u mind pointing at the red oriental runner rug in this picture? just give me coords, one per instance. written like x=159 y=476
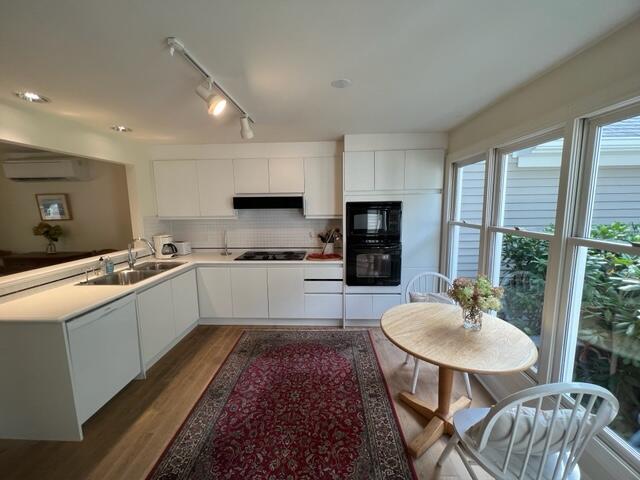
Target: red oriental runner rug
x=304 y=404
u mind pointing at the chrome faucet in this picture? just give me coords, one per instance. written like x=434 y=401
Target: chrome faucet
x=132 y=256
x=226 y=251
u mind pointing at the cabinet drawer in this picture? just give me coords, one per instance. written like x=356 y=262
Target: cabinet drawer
x=359 y=306
x=322 y=286
x=323 y=305
x=382 y=303
x=323 y=273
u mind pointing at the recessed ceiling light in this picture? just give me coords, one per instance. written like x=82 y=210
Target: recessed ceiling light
x=120 y=128
x=341 y=83
x=29 y=96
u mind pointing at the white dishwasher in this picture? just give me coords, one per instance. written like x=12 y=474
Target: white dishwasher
x=105 y=354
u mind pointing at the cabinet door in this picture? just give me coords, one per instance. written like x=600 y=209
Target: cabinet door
x=286 y=292
x=251 y=175
x=214 y=292
x=176 y=188
x=382 y=303
x=249 y=292
x=421 y=214
x=389 y=170
x=105 y=354
x=323 y=187
x=359 y=306
x=155 y=315
x=358 y=171
x=185 y=301
x=286 y=175
x=215 y=188
x=424 y=169
x=323 y=305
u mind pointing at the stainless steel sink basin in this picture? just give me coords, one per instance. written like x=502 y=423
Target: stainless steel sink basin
x=124 y=277
x=157 y=266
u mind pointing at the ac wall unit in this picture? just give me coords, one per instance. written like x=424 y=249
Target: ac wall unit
x=40 y=169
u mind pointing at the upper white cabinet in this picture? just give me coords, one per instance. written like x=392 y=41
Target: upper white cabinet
x=176 y=188
x=286 y=175
x=286 y=292
x=393 y=170
x=423 y=169
x=323 y=187
x=215 y=188
x=249 y=292
x=389 y=170
x=359 y=171
x=214 y=292
x=251 y=175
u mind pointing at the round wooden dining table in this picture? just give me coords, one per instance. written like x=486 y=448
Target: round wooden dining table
x=433 y=332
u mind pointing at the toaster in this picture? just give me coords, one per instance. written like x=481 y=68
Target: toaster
x=184 y=248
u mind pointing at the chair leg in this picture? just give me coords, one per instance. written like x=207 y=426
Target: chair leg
x=414 y=380
x=406 y=359
x=448 y=449
x=467 y=385
x=466 y=463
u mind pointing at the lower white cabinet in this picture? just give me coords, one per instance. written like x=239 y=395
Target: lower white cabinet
x=286 y=292
x=249 y=292
x=322 y=305
x=155 y=315
x=184 y=293
x=214 y=292
x=105 y=354
x=370 y=307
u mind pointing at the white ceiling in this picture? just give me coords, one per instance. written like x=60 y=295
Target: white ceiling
x=416 y=65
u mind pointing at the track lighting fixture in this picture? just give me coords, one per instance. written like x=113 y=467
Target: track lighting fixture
x=215 y=102
x=211 y=91
x=246 y=132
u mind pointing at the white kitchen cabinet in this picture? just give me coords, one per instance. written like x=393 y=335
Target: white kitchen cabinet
x=424 y=169
x=389 y=170
x=176 y=184
x=382 y=303
x=184 y=293
x=214 y=292
x=155 y=316
x=358 y=306
x=421 y=229
x=249 y=292
x=251 y=175
x=323 y=305
x=286 y=292
x=323 y=187
x=105 y=354
x=359 y=171
x=215 y=188
x=286 y=175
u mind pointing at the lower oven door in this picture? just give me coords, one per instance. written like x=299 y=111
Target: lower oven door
x=379 y=265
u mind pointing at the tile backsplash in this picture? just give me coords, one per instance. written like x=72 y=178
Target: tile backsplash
x=281 y=228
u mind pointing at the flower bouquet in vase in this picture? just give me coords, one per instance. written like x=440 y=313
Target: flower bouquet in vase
x=475 y=296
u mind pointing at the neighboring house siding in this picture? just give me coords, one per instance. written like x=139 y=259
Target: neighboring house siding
x=531 y=198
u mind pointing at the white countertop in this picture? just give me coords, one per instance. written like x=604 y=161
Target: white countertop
x=59 y=304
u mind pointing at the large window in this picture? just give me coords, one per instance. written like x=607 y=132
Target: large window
x=605 y=309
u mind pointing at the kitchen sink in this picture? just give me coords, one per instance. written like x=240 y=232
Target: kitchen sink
x=157 y=266
x=124 y=277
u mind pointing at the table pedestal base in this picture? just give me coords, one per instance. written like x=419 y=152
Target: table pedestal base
x=440 y=418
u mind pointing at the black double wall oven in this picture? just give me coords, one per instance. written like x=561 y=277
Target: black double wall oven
x=374 y=248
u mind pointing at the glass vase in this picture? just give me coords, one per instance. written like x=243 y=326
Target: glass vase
x=51 y=247
x=472 y=318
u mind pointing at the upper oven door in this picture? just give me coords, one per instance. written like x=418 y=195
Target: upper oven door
x=374 y=219
x=374 y=265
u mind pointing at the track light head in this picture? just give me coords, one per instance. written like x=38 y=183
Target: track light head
x=215 y=103
x=246 y=132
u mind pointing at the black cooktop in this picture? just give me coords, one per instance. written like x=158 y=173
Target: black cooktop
x=271 y=255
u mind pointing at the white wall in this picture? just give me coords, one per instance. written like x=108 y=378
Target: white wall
x=605 y=74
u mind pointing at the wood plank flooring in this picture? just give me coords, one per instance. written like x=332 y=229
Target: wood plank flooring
x=126 y=437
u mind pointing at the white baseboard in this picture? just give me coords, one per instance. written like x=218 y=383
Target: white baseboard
x=292 y=322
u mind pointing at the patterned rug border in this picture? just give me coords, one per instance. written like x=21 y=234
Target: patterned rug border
x=244 y=332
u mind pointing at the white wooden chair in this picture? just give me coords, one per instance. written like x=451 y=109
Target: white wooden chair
x=544 y=441
x=430 y=287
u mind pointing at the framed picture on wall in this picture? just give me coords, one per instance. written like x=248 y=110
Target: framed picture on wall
x=53 y=206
